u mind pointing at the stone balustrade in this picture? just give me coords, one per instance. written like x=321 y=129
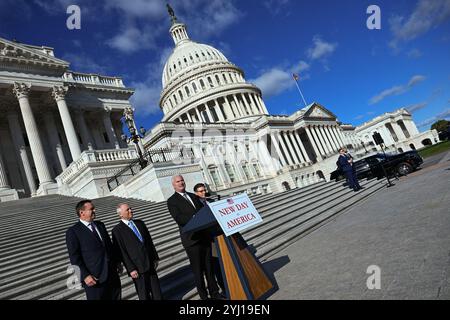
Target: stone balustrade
x=96 y=156
x=89 y=78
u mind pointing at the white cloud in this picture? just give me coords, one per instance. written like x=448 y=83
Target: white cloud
x=427 y=14
x=147 y=94
x=149 y=9
x=444 y=115
x=276 y=6
x=415 y=53
x=147 y=21
x=397 y=90
x=320 y=49
x=81 y=63
x=132 y=39
x=278 y=80
x=416 y=107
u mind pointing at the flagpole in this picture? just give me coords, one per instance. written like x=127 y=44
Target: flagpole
x=298 y=87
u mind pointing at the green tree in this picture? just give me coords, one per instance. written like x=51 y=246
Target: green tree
x=440 y=125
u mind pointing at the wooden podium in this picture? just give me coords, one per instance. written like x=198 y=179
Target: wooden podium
x=243 y=274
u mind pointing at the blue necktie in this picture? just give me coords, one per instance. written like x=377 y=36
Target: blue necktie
x=135 y=230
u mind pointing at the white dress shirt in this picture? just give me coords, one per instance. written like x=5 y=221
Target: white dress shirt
x=88 y=225
x=185 y=195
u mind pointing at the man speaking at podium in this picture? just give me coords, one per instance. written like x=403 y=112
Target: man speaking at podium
x=183 y=206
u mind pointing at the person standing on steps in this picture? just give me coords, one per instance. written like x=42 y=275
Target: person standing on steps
x=345 y=162
x=183 y=206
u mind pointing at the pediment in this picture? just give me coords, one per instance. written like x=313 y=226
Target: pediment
x=318 y=111
x=13 y=51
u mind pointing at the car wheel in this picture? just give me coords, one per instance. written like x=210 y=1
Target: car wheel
x=404 y=169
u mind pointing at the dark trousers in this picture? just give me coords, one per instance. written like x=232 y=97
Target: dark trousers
x=109 y=290
x=148 y=287
x=218 y=273
x=352 y=180
x=201 y=263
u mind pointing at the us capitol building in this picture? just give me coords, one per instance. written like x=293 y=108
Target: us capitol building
x=61 y=131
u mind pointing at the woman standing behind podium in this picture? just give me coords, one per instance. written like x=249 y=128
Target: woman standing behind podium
x=183 y=206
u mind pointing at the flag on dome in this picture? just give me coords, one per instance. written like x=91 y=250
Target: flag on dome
x=296 y=77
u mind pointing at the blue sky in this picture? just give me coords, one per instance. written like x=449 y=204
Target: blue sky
x=355 y=72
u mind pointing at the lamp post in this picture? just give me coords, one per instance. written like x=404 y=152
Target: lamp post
x=135 y=136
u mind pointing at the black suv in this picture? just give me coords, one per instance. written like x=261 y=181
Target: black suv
x=394 y=164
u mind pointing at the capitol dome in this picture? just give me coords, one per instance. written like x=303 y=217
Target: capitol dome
x=201 y=85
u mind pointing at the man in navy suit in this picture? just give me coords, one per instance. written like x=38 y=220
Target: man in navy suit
x=183 y=206
x=132 y=239
x=345 y=162
x=91 y=250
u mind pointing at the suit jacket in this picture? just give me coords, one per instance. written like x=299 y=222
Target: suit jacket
x=136 y=255
x=182 y=211
x=343 y=163
x=88 y=253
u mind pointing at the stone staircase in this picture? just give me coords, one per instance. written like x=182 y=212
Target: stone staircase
x=34 y=260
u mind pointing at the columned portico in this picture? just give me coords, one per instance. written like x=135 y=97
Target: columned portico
x=22 y=90
x=84 y=131
x=302 y=147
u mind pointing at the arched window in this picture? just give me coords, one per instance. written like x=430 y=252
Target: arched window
x=180 y=94
x=211 y=84
x=202 y=84
x=230 y=171
x=194 y=86
x=175 y=98
x=225 y=78
x=217 y=79
x=188 y=93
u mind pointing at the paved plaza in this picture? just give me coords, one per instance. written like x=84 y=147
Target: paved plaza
x=404 y=230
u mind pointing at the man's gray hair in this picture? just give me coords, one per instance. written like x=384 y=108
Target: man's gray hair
x=118 y=207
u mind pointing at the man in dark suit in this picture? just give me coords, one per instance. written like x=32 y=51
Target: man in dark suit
x=201 y=193
x=90 y=249
x=345 y=162
x=138 y=253
x=183 y=206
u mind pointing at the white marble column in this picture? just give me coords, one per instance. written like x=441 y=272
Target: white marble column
x=209 y=113
x=296 y=146
x=285 y=150
x=238 y=106
x=228 y=109
x=341 y=136
x=22 y=91
x=325 y=142
x=255 y=103
x=263 y=105
x=4 y=185
x=313 y=143
x=318 y=142
x=398 y=131
x=199 y=117
x=188 y=116
x=333 y=138
x=277 y=148
x=84 y=130
x=109 y=128
x=218 y=111
x=247 y=106
x=291 y=148
x=302 y=147
x=53 y=136
x=19 y=145
x=336 y=132
x=59 y=94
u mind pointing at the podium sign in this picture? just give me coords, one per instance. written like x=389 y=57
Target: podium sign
x=235 y=214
